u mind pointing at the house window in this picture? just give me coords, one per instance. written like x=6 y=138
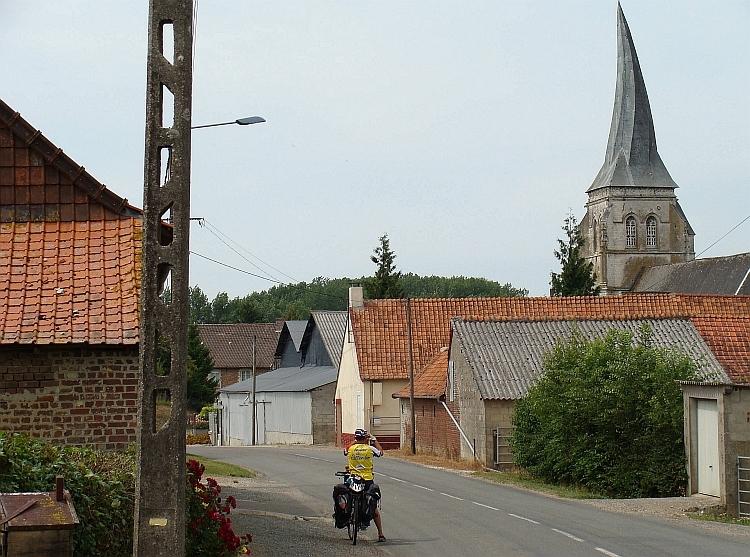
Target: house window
x=651 y=232
x=630 y=232
x=450 y=380
x=246 y=374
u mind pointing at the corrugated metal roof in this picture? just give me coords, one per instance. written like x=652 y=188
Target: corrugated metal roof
x=287 y=379
x=332 y=328
x=296 y=332
x=714 y=275
x=506 y=358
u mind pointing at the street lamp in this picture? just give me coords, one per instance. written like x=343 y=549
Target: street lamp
x=240 y=121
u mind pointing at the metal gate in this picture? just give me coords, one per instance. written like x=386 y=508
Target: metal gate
x=743 y=486
x=503 y=458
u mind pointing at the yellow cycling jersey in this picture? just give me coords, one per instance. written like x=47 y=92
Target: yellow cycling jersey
x=360 y=457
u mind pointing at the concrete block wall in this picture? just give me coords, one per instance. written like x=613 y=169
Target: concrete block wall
x=71 y=395
x=498 y=414
x=472 y=412
x=324 y=414
x=736 y=440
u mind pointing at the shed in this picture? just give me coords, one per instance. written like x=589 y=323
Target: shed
x=293 y=405
x=493 y=364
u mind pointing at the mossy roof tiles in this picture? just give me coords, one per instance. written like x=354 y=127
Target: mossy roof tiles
x=380 y=331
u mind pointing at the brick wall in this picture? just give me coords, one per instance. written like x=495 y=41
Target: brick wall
x=436 y=432
x=72 y=395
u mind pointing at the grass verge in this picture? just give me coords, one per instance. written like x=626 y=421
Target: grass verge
x=216 y=468
x=716 y=516
x=524 y=480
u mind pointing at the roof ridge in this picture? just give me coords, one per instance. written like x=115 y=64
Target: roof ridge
x=33 y=138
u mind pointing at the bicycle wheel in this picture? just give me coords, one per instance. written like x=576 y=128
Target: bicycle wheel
x=355 y=519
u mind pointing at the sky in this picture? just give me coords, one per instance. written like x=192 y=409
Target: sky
x=464 y=130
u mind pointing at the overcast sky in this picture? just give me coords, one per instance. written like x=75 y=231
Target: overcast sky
x=464 y=130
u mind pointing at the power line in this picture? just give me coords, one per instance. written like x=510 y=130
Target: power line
x=298 y=285
x=724 y=236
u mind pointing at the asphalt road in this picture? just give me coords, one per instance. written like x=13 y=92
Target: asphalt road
x=429 y=512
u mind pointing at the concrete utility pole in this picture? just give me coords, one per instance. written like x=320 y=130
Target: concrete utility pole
x=411 y=379
x=255 y=408
x=160 y=473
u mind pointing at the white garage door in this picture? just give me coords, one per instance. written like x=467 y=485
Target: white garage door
x=708 y=447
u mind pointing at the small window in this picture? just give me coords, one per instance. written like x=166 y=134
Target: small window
x=651 y=232
x=630 y=232
x=450 y=380
x=246 y=374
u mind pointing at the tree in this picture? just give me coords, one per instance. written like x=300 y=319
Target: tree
x=606 y=415
x=387 y=281
x=201 y=389
x=245 y=310
x=200 y=308
x=577 y=277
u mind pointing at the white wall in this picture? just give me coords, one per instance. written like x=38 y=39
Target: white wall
x=281 y=418
x=349 y=385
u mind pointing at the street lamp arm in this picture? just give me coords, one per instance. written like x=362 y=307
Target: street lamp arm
x=240 y=121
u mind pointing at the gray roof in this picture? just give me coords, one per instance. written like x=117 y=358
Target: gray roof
x=332 y=328
x=231 y=345
x=506 y=358
x=631 y=158
x=287 y=379
x=296 y=331
x=728 y=275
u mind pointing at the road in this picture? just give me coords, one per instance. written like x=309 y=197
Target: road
x=429 y=512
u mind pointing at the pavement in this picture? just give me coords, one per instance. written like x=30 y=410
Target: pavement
x=285 y=522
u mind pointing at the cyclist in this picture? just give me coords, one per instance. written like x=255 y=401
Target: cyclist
x=360 y=455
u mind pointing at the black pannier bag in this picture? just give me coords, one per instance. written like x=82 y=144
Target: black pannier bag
x=340 y=505
x=371 y=500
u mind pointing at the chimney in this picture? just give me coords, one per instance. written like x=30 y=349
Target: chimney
x=356 y=297
x=280 y=324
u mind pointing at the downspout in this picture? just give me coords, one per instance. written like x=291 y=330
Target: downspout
x=461 y=431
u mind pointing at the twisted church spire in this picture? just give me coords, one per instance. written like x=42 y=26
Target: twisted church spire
x=631 y=158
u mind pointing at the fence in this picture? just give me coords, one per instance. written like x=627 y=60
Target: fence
x=743 y=486
x=503 y=458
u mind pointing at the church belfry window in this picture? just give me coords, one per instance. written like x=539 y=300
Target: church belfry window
x=651 y=232
x=630 y=232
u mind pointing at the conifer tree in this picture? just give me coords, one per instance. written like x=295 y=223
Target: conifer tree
x=387 y=281
x=577 y=277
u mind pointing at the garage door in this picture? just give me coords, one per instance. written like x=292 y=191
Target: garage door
x=708 y=447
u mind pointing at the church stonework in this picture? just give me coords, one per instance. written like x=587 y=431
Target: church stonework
x=633 y=219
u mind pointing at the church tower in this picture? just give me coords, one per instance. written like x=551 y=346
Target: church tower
x=633 y=219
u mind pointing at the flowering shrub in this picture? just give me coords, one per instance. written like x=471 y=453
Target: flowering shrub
x=200 y=439
x=209 y=529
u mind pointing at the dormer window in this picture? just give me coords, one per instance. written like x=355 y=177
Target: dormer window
x=630 y=232
x=651 y=232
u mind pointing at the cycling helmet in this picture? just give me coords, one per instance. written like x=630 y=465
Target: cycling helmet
x=361 y=434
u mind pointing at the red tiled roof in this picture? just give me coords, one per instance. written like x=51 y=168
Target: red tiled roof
x=70 y=282
x=70 y=248
x=381 y=337
x=430 y=383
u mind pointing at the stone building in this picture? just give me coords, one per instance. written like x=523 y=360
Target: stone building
x=633 y=219
x=70 y=256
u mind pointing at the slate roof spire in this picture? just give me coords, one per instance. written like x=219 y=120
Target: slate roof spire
x=631 y=158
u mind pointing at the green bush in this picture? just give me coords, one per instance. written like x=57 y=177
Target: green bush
x=607 y=415
x=101 y=485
